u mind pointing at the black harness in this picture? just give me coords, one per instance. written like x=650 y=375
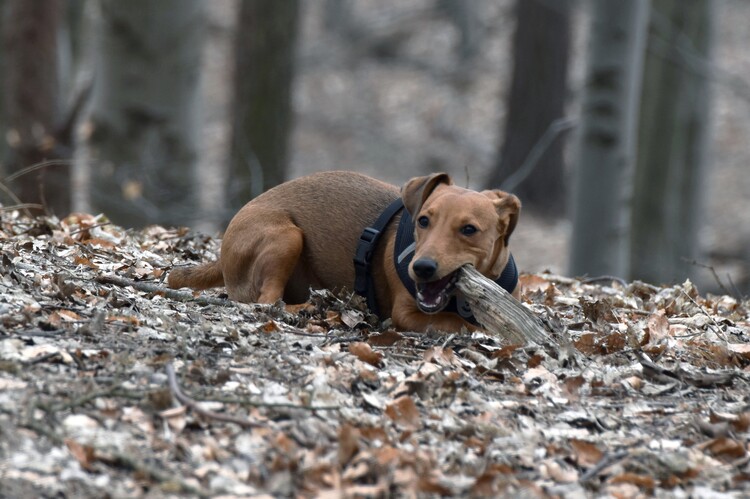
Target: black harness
x=402 y=256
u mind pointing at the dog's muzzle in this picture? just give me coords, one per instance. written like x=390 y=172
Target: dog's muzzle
x=433 y=296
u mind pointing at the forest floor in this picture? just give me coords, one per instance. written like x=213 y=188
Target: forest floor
x=111 y=385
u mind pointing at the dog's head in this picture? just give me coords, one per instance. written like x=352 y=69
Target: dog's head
x=454 y=227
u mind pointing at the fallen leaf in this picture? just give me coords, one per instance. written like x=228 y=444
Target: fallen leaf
x=403 y=411
x=84 y=454
x=348 y=443
x=586 y=453
x=270 y=327
x=365 y=353
x=385 y=339
x=727 y=449
x=640 y=481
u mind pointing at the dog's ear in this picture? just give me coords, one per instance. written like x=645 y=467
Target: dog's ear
x=417 y=190
x=508 y=208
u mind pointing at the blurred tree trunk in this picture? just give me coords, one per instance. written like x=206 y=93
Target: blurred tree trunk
x=602 y=186
x=142 y=144
x=536 y=101
x=674 y=129
x=262 y=120
x=3 y=115
x=464 y=17
x=32 y=104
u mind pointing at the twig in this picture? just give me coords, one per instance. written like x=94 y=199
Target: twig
x=177 y=393
x=529 y=163
x=38 y=166
x=43 y=358
x=172 y=294
x=448 y=340
x=130 y=463
x=605 y=462
x=22 y=206
x=705 y=312
x=112 y=391
x=713 y=272
x=8 y=192
x=274 y=405
x=594 y=280
x=88 y=227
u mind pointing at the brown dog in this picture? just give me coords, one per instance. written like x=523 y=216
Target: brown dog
x=303 y=234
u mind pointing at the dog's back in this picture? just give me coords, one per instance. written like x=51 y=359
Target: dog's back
x=329 y=210
x=332 y=209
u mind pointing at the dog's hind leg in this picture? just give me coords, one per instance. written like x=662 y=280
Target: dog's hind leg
x=258 y=267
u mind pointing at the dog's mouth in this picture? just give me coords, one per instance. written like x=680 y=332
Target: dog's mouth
x=433 y=296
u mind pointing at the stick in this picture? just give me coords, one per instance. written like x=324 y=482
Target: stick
x=497 y=311
x=186 y=296
x=174 y=387
x=172 y=294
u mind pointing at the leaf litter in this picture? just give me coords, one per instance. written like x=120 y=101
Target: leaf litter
x=113 y=385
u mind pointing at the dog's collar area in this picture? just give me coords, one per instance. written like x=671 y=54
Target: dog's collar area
x=368 y=241
x=402 y=255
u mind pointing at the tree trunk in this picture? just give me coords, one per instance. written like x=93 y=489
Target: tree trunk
x=674 y=131
x=142 y=148
x=536 y=101
x=262 y=120
x=32 y=105
x=3 y=113
x=607 y=138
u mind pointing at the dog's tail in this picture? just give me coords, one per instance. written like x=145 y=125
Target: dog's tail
x=203 y=276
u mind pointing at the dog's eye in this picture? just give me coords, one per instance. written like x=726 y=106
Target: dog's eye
x=468 y=230
x=423 y=222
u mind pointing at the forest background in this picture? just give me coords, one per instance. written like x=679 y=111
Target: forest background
x=627 y=123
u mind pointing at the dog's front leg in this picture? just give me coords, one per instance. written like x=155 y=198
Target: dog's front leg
x=407 y=317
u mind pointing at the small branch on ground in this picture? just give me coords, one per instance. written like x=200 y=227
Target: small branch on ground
x=497 y=311
x=172 y=294
x=177 y=393
x=718 y=280
x=186 y=296
x=605 y=462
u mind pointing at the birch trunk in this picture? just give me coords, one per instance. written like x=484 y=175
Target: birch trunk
x=602 y=184
x=536 y=101
x=142 y=147
x=674 y=132
x=262 y=120
x=32 y=105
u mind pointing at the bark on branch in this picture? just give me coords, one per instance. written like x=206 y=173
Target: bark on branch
x=497 y=311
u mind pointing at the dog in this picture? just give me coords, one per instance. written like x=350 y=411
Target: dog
x=304 y=234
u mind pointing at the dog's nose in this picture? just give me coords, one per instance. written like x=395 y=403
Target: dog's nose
x=425 y=268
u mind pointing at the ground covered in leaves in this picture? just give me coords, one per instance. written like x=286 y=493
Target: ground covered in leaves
x=111 y=385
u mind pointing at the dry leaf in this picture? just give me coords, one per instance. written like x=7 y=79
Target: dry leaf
x=586 y=453
x=348 y=443
x=641 y=481
x=365 y=353
x=385 y=339
x=84 y=454
x=403 y=411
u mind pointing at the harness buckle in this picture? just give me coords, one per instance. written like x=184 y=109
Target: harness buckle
x=363 y=258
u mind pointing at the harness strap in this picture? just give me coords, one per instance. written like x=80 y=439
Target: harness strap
x=368 y=241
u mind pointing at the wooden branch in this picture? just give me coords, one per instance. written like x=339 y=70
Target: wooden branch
x=497 y=311
x=172 y=294
x=275 y=310
x=178 y=394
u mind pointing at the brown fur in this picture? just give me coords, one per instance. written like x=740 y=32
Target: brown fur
x=302 y=234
